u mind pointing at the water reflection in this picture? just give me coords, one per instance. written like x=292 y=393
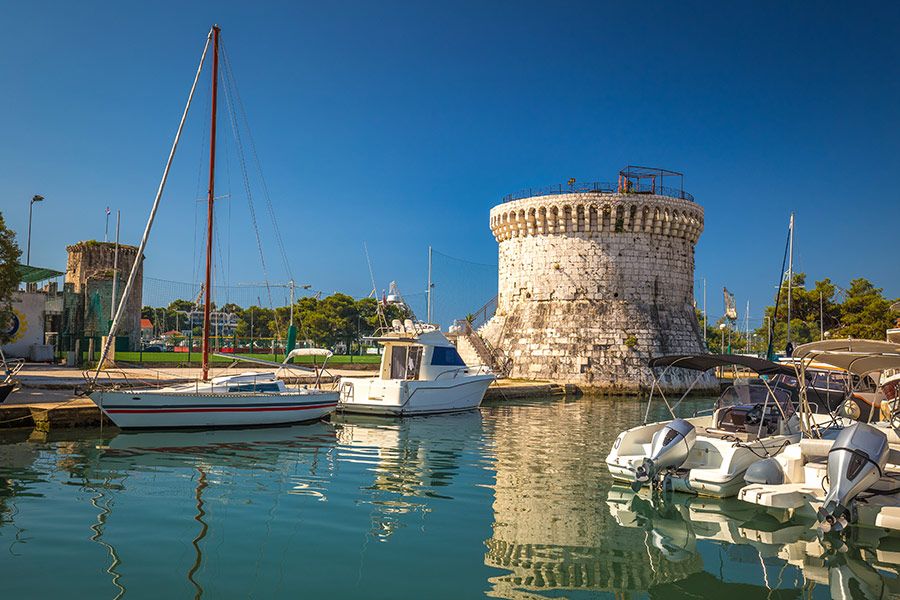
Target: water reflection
x=562 y=529
x=513 y=501
x=552 y=530
x=413 y=461
x=281 y=455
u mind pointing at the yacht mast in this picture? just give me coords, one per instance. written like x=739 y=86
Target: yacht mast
x=428 y=314
x=790 y=279
x=209 y=204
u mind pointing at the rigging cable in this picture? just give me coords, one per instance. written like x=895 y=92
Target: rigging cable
x=262 y=181
x=229 y=81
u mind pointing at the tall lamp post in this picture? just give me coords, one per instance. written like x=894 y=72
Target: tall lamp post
x=36 y=198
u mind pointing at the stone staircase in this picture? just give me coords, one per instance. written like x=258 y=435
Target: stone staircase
x=475 y=350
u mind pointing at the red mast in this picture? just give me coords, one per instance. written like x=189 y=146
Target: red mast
x=209 y=204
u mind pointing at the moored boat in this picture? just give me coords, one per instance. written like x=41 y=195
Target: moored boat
x=708 y=454
x=853 y=478
x=10 y=367
x=421 y=373
x=247 y=399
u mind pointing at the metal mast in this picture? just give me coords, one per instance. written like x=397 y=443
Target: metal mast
x=143 y=244
x=430 y=288
x=790 y=278
x=209 y=204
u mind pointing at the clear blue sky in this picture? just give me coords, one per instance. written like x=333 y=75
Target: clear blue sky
x=403 y=123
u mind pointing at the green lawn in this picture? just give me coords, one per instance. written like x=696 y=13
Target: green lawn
x=182 y=357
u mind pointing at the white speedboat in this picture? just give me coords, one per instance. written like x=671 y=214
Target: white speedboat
x=421 y=373
x=708 y=455
x=853 y=478
x=239 y=400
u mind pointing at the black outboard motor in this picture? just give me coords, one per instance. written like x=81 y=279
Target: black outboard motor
x=670 y=447
x=856 y=462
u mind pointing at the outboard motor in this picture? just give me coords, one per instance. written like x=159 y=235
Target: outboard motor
x=855 y=463
x=669 y=448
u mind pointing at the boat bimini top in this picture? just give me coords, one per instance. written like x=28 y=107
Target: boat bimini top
x=704 y=362
x=858 y=357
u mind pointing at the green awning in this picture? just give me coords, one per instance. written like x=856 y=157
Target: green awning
x=31 y=274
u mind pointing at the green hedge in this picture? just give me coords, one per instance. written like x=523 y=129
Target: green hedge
x=182 y=357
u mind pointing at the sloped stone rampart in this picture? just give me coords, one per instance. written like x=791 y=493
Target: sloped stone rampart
x=591 y=285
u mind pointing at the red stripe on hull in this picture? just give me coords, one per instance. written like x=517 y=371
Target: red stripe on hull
x=208 y=410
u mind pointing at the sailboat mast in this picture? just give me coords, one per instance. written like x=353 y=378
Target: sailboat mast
x=209 y=203
x=790 y=279
x=120 y=311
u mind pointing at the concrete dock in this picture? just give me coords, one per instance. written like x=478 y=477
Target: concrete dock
x=50 y=397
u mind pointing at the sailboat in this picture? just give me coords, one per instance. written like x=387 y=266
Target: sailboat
x=241 y=400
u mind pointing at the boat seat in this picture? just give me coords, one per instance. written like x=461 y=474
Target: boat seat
x=743 y=436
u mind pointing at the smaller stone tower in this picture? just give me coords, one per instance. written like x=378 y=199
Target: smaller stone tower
x=90 y=270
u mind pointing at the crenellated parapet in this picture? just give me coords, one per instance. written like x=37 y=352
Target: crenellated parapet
x=595 y=212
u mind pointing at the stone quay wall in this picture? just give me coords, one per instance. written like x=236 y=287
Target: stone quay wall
x=592 y=285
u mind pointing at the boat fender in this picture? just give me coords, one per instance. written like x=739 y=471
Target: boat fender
x=767 y=471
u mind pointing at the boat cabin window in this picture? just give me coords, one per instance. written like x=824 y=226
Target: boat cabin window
x=254 y=387
x=444 y=356
x=406 y=362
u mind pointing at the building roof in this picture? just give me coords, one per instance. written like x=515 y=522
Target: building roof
x=146 y=323
x=30 y=274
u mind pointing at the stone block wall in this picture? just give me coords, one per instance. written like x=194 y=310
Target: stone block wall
x=591 y=285
x=89 y=269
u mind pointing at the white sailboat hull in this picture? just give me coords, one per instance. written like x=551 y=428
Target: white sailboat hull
x=158 y=409
x=401 y=398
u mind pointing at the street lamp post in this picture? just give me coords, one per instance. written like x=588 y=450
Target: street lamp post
x=722 y=337
x=36 y=198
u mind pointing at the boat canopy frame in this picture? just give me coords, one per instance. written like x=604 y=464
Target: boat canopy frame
x=703 y=363
x=856 y=356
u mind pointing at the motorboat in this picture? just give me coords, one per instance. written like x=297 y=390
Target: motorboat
x=708 y=454
x=421 y=373
x=852 y=478
x=236 y=400
x=10 y=368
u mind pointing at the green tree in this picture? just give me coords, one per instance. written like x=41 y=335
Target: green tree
x=811 y=310
x=865 y=312
x=9 y=276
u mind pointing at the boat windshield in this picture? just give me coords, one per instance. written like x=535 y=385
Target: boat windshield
x=830 y=381
x=753 y=394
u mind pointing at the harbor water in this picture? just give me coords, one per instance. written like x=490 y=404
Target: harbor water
x=509 y=501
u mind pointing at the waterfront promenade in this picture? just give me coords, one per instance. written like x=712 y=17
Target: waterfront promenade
x=51 y=396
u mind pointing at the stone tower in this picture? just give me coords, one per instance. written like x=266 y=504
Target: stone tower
x=90 y=269
x=596 y=279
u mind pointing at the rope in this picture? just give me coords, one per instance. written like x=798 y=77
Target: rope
x=229 y=80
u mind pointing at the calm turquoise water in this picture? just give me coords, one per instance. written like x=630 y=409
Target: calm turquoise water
x=512 y=501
